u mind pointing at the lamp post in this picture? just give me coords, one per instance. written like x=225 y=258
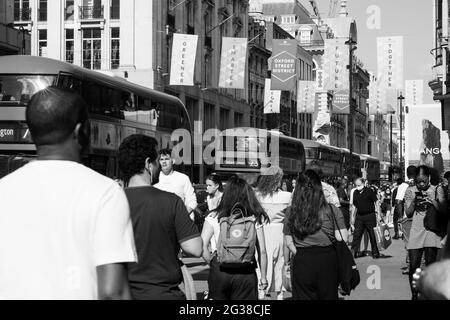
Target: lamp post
x=400 y=99
x=391 y=147
x=351 y=125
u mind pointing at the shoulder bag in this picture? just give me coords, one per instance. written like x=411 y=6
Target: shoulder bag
x=348 y=274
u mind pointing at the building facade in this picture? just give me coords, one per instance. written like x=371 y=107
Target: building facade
x=440 y=82
x=12 y=41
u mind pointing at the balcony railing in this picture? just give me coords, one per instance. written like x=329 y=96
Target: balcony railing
x=91 y=12
x=312 y=43
x=22 y=15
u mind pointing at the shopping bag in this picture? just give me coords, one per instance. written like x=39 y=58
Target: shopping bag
x=383 y=236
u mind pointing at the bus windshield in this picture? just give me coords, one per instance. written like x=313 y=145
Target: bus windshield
x=18 y=89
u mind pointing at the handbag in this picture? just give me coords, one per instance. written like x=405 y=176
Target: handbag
x=348 y=274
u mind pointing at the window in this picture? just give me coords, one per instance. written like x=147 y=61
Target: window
x=42 y=42
x=190 y=16
x=115 y=9
x=224 y=116
x=22 y=11
x=238 y=119
x=69 y=45
x=70 y=10
x=209 y=116
x=369 y=148
x=369 y=127
x=115 y=48
x=42 y=10
x=92 y=49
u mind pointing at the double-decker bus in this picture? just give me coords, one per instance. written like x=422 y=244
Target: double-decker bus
x=328 y=158
x=245 y=151
x=370 y=169
x=117 y=109
x=351 y=166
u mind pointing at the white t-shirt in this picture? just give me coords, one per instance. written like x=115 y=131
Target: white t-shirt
x=60 y=220
x=275 y=204
x=178 y=183
x=214 y=223
x=401 y=191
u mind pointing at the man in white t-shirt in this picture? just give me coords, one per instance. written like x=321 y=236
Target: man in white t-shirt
x=65 y=230
x=175 y=182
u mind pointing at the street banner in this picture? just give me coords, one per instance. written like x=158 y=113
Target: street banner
x=335 y=62
x=341 y=102
x=413 y=92
x=272 y=99
x=425 y=142
x=233 y=63
x=284 y=65
x=390 y=62
x=381 y=99
x=306 y=97
x=184 y=51
x=320 y=86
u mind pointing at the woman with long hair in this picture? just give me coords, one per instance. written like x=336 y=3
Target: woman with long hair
x=274 y=202
x=311 y=227
x=240 y=283
x=421 y=200
x=214 y=188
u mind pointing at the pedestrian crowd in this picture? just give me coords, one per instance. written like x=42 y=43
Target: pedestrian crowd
x=67 y=232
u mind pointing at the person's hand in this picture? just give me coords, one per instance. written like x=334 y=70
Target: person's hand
x=263 y=284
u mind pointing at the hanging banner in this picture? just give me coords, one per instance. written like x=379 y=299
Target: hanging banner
x=284 y=65
x=184 y=52
x=379 y=98
x=413 y=92
x=306 y=97
x=335 y=62
x=390 y=62
x=272 y=99
x=320 y=87
x=233 y=63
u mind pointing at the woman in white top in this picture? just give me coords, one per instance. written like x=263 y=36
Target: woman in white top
x=214 y=189
x=274 y=202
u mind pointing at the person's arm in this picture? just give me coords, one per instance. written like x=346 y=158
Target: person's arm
x=112 y=281
x=262 y=255
x=207 y=234
x=410 y=203
x=340 y=228
x=289 y=244
x=193 y=247
x=186 y=231
x=190 y=198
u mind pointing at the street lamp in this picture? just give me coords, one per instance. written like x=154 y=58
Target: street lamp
x=351 y=126
x=400 y=99
x=391 y=146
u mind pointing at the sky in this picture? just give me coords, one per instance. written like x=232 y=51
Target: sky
x=412 y=19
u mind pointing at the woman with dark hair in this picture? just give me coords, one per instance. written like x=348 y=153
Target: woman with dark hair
x=286 y=186
x=237 y=283
x=421 y=200
x=311 y=227
x=214 y=188
x=274 y=202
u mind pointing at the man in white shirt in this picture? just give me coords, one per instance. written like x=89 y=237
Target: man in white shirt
x=65 y=230
x=175 y=182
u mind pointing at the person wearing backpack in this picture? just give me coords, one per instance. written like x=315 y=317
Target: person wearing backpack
x=236 y=226
x=310 y=232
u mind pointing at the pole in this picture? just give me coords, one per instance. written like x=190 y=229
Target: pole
x=402 y=164
x=351 y=115
x=391 y=148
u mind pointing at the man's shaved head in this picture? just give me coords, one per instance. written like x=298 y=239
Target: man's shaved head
x=53 y=114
